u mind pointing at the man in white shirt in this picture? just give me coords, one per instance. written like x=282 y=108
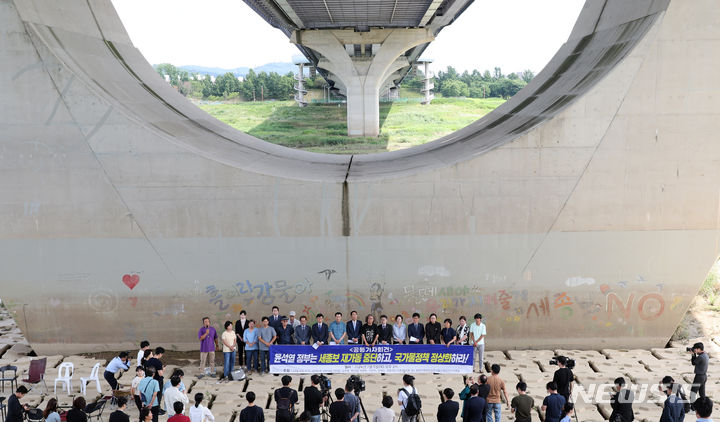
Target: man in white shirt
x=173 y=394
x=477 y=340
x=144 y=345
x=403 y=394
x=384 y=414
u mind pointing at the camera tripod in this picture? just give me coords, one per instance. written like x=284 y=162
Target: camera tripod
x=362 y=406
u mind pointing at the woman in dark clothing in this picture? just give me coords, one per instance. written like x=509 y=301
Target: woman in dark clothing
x=369 y=331
x=77 y=413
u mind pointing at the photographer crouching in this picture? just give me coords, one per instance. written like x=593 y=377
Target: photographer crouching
x=700 y=361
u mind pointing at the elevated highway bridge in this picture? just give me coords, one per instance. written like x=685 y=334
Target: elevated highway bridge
x=361 y=46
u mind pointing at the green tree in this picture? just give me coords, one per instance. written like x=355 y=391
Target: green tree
x=454 y=88
x=527 y=75
x=497 y=74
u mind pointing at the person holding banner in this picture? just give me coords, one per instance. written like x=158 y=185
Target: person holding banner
x=285 y=332
x=447 y=335
x=432 y=330
x=353 y=329
x=302 y=332
x=320 y=331
x=385 y=331
x=369 y=331
x=416 y=331
x=463 y=332
x=399 y=330
x=338 y=330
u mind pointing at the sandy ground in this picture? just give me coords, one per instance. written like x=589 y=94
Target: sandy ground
x=594 y=371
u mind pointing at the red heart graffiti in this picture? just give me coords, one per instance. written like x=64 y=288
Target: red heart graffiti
x=133 y=301
x=131 y=280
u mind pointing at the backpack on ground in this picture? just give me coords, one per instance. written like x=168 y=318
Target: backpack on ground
x=414 y=404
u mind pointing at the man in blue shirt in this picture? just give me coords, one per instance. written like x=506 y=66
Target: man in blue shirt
x=302 y=332
x=320 y=331
x=149 y=389
x=338 y=329
x=352 y=328
x=416 y=331
x=120 y=362
x=553 y=404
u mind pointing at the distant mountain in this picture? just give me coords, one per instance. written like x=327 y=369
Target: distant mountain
x=281 y=68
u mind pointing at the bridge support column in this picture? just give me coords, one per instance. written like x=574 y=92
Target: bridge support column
x=363 y=62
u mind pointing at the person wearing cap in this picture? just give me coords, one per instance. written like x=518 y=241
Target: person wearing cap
x=285 y=332
x=293 y=322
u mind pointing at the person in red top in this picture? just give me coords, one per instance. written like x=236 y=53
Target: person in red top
x=178 y=416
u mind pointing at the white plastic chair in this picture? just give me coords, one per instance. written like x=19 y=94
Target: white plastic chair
x=93 y=377
x=65 y=374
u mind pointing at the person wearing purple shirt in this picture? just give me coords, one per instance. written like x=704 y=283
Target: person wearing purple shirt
x=208 y=343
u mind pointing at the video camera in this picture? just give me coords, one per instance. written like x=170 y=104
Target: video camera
x=569 y=363
x=357 y=383
x=325 y=384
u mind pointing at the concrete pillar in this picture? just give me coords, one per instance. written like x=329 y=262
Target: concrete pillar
x=363 y=74
x=300 y=85
x=427 y=81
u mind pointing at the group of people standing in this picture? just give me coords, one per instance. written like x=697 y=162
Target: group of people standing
x=250 y=341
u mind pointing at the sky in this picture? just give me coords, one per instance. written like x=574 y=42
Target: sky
x=512 y=34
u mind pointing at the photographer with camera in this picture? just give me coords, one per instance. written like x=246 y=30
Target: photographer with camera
x=314 y=398
x=700 y=361
x=120 y=363
x=564 y=376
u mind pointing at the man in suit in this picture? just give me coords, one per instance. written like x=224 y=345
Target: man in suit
x=275 y=319
x=621 y=402
x=448 y=409
x=320 y=331
x=302 y=332
x=416 y=331
x=386 y=332
x=240 y=326
x=353 y=328
x=475 y=407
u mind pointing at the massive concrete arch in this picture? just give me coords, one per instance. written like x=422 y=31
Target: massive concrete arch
x=583 y=212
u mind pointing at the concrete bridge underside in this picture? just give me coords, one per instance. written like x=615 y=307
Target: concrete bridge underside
x=583 y=212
